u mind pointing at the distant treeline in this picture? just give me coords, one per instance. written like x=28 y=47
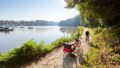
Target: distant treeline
x=27 y=23
x=69 y=22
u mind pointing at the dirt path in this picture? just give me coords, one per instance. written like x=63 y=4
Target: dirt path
x=55 y=58
x=84 y=45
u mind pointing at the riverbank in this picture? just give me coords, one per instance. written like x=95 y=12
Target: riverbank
x=28 y=52
x=16 y=38
x=56 y=58
x=31 y=51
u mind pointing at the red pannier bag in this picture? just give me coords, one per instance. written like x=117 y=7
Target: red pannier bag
x=67 y=48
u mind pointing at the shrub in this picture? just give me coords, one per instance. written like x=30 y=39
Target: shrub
x=29 y=51
x=79 y=32
x=104 y=50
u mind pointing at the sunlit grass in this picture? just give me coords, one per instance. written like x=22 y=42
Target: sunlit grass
x=104 y=51
x=29 y=51
x=79 y=32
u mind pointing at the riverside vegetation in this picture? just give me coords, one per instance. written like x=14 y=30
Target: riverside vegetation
x=103 y=20
x=102 y=17
x=29 y=52
x=104 y=51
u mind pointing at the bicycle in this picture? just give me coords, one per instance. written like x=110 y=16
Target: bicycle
x=87 y=39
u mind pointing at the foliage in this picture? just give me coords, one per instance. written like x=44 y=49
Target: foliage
x=105 y=48
x=71 y=22
x=27 y=23
x=79 y=32
x=103 y=12
x=29 y=51
x=105 y=17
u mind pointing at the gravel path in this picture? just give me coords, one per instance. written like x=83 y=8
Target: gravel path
x=56 y=58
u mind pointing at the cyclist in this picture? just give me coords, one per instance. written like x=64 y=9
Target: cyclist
x=87 y=34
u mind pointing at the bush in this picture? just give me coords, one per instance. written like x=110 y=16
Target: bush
x=104 y=48
x=29 y=51
x=79 y=32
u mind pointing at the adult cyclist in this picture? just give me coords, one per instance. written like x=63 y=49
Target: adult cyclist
x=87 y=34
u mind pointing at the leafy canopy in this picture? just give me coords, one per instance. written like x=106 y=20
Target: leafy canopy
x=106 y=12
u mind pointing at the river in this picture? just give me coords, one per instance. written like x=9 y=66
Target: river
x=21 y=34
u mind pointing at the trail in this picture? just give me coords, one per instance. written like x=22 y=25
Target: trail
x=55 y=58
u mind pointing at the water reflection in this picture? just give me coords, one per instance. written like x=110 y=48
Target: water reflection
x=6 y=32
x=15 y=38
x=68 y=30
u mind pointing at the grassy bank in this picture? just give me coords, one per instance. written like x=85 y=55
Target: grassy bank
x=29 y=51
x=105 y=48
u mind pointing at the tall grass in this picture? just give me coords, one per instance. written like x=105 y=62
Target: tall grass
x=104 y=51
x=28 y=52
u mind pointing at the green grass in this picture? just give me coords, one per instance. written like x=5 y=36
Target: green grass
x=90 y=60
x=104 y=50
x=79 y=32
x=29 y=51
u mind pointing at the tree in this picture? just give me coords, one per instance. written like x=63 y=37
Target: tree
x=105 y=12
